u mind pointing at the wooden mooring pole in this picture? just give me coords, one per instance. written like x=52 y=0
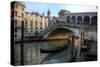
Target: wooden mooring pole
x=72 y=46
x=22 y=43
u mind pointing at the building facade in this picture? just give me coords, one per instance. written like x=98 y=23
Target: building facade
x=34 y=22
x=17 y=17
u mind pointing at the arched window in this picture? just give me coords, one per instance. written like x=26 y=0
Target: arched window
x=94 y=20
x=86 y=20
x=79 y=19
x=68 y=19
x=73 y=19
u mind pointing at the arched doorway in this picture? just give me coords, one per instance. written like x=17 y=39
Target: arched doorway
x=68 y=19
x=79 y=19
x=73 y=19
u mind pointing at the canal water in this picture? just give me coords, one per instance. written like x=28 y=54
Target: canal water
x=33 y=55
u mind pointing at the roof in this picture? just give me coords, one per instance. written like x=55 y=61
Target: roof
x=18 y=2
x=35 y=13
x=64 y=11
x=84 y=12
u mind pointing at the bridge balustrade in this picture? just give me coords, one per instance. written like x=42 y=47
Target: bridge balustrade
x=60 y=23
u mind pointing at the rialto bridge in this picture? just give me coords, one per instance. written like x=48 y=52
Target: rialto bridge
x=87 y=31
x=81 y=29
x=80 y=24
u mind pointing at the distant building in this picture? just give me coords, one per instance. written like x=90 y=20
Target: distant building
x=62 y=13
x=54 y=20
x=34 y=23
x=78 y=18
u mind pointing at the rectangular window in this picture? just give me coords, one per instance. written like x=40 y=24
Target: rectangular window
x=15 y=35
x=41 y=25
x=15 y=22
x=22 y=9
x=26 y=23
x=31 y=24
x=15 y=13
x=15 y=29
x=12 y=13
x=25 y=30
x=12 y=6
x=22 y=15
x=31 y=30
x=46 y=25
x=36 y=27
x=41 y=28
x=22 y=24
x=16 y=5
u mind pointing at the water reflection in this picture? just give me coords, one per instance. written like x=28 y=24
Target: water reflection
x=57 y=43
x=32 y=54
x=58 y=39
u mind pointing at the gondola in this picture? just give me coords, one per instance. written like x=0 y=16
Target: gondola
x=58 y=49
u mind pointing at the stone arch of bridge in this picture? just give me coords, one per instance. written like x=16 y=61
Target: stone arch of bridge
x=61 y=28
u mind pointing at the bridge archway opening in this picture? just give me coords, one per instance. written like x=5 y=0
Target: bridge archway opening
x=94 y=20
x=79 y=19
x=68 y=19
x=86 y=20
x=73 y=19
x=59 y=37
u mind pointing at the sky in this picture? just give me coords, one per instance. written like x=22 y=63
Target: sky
x=55 y=8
